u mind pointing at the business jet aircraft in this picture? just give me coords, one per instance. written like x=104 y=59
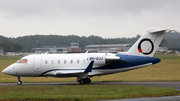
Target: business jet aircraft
x=87 y=65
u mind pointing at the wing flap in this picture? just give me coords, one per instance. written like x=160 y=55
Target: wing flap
x=76 y=72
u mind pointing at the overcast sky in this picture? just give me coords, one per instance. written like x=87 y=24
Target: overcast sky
x=105 y=18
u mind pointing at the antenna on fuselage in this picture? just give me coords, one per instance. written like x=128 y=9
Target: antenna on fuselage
x=46 y=52
x=87 y=52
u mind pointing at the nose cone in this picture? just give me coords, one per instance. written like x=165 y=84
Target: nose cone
x=6 y=71
x=9 y=71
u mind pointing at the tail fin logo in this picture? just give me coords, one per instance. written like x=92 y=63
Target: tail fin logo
x=140 y=49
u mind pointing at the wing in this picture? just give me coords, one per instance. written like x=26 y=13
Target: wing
x=80 y=72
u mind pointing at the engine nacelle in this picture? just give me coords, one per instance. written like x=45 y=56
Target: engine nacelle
x=98 y=58
x=103 y=58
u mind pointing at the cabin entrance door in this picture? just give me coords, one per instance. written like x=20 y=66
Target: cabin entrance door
x=38 y=62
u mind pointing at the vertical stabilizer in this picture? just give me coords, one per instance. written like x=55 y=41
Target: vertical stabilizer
x=148 y=43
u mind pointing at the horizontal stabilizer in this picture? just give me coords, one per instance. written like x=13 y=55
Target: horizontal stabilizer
x=156 y=31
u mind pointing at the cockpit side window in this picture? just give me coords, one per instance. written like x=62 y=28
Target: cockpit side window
x=23 y=61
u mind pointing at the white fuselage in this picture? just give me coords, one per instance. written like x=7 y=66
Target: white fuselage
x=48 y=64
x=51 y=64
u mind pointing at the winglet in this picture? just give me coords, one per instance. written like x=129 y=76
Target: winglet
x=89 y=68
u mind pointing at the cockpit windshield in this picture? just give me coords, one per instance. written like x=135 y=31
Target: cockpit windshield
x=22 y=61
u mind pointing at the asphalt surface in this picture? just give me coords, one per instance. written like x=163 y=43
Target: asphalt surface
x=165 y=98
x=173 y=84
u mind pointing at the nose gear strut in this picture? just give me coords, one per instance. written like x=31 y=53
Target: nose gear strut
x=19 y=80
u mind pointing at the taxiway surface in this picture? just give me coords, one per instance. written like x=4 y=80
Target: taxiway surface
x=173 y=84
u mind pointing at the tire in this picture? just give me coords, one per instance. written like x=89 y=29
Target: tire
x=19 y=82
x=82 y=81
x=87 y=80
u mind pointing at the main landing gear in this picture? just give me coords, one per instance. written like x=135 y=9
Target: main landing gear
x=85 y=81
x=19 y=80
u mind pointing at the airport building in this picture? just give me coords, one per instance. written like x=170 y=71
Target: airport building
x=73 y=48
x=114 y=48
x=161 y=49
x=107 y=48
x=51 y=49
x=102 y=48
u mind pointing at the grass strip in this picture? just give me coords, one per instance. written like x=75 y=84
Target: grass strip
x=81 y=92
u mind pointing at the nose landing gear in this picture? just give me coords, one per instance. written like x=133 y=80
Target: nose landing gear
x=19 y=80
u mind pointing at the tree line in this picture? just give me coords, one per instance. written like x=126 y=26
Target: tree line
x=34 y=41
x=26 y=43
x=9 y=46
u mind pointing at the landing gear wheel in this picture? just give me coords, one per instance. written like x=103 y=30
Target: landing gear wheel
x=87 y=80
x=81 y=81
x=19 y=82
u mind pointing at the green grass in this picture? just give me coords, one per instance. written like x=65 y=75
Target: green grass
x=167 y=56
x=81 y=92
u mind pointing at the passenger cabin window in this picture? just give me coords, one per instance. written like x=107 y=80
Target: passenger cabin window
x=64 y=61
x=46 y=62
x=71 y=61
x=23 y=61
x=78 y=61
x=58 y=61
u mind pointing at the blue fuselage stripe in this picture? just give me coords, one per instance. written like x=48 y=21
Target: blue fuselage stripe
x=130 y=61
